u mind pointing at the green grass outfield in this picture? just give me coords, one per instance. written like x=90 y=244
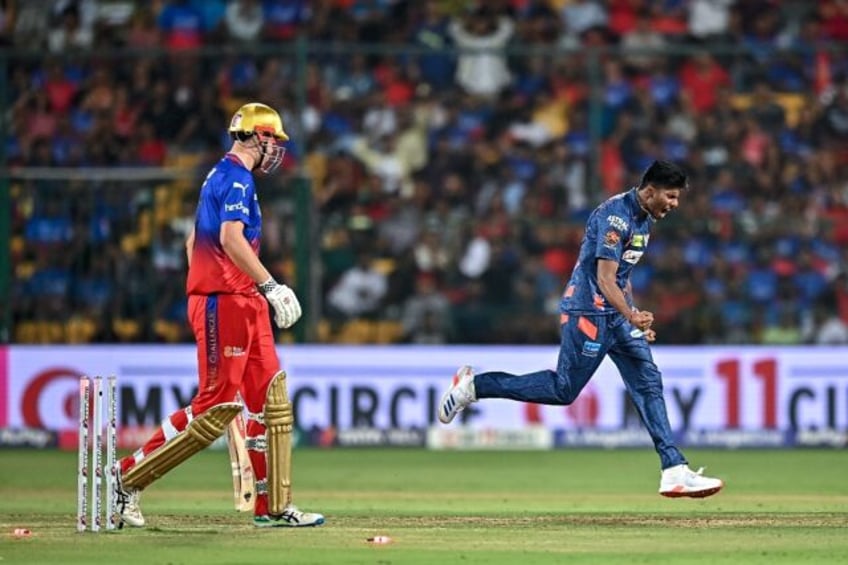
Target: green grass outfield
x=566 y=506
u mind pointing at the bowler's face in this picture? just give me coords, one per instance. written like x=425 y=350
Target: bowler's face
x=661 y=201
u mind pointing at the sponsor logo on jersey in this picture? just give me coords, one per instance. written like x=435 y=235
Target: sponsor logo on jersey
x=640 y=240
x=242 y=187
x=233 y=351
x=591 y=348
x=632 y=256
x=237 y=207
x=617 y=222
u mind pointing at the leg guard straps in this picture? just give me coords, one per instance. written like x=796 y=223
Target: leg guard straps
x=200 y=432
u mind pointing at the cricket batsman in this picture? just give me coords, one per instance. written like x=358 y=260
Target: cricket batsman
x=229 y=292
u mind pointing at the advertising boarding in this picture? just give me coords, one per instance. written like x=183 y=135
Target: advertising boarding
x=759 y=391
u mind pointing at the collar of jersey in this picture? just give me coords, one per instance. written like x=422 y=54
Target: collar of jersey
x=233 y=158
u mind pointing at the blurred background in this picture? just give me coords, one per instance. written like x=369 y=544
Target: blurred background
x=444 y=157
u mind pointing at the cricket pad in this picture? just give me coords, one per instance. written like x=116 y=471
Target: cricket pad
x=279 y=420
x=198 y=435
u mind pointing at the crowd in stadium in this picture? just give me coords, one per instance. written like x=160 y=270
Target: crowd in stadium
x=453 y=148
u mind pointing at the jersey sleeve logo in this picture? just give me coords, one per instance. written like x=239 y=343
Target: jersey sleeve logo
x=611 y=239
x=640 y=240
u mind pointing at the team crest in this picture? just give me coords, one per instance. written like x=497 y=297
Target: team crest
x=236 y=121
x=611 y=238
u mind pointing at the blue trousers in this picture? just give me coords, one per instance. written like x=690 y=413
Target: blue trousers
x=585 y=341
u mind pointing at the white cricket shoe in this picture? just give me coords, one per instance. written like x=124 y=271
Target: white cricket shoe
x=291 y=517
x=131 y=509
x=127 y=501
x=460 y=394
x=680 y=481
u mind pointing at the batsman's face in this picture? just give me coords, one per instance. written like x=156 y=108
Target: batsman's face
x=269 y=154
x=661 y=201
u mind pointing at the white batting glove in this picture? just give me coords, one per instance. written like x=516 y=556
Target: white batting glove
x=286 y=306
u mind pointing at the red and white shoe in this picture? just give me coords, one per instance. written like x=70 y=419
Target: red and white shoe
x=681 y=481
x=458 y=396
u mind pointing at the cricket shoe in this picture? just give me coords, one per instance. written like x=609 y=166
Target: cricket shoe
x=460 y=394
x=128 y=501
x=290 y=518
x=680 y=480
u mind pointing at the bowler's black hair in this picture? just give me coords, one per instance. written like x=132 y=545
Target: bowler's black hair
x=665 y=174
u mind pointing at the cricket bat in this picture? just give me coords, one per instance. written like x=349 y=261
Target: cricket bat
x=244 y=488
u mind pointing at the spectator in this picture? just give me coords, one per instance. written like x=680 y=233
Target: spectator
x=244 y=20
x=642 y=38
x=826 y=327
x=835 y=117
x=580 y=16
x=436 y=68
x=785 y=332
x=472 y=316
x=284 y=19
x=181 y=25
x=538 y=23
x=32 y=21
x=482 y=69
x=8 y=13
x=360 y=290
x=143 y=32
x=834 y=15
x=430 y=254
x=402 y=224
x=709 y=18
x=700 y=79
x=69 y=34
x=60 y=90
x=426 y=314
x=212 y=14
x=152 y=150
x=477 y=255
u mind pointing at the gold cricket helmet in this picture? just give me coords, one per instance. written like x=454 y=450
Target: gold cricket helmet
x=257 y=118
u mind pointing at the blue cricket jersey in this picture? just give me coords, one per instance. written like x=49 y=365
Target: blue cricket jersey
x=227 y=194
x=617 y=230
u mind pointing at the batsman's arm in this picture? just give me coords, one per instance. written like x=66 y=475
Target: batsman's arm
x=237 y=248
x=287 y=308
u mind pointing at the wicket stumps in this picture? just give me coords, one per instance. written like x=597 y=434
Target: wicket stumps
x=90 y=477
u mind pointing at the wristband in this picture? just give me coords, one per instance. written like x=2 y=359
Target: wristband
x=267 y=286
